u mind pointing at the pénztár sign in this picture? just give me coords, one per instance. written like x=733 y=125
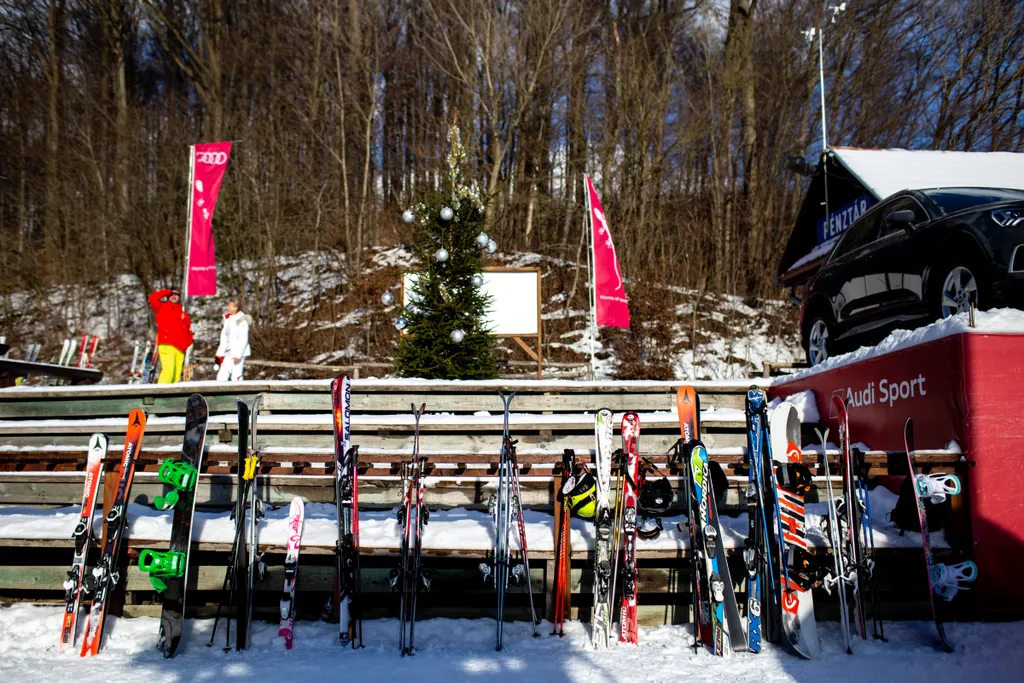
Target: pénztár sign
x=842 y=218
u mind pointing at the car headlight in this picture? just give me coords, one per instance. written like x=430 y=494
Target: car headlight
x=1009 y=218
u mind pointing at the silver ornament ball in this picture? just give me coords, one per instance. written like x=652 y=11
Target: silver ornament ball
x=387 y=298
x=482 y=239
x=408 y=216
x=492 y=246
x=458 y=336
x=441 y=255
x=401 y=323
x=478 y=280
x=446 y=214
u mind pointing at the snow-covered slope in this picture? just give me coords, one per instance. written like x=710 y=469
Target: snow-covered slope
x=306 y=310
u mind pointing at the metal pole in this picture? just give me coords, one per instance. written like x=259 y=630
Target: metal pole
x=821 y=79
x=588 y=226
x=188 y=225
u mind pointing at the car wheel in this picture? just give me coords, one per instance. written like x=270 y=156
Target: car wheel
x=817 y=340
x=959 y=290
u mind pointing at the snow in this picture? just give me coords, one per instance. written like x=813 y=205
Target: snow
x=456 y=529
x=805 y=404
x=996 y=321
x=456 y=650
x=887 y=171
x=818 y=252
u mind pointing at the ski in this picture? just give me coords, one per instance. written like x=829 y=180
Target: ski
x=296 y=514
x=754 y=544
x=256 y=566
x=602 y=616
x=838 y=577
x=412 y=517
x=501 y=506
x=168 y=571
x=237 y=566
x=707 y=535
x=82 y=536
x=106 y=575
x=517 y=512
x=854 y=550
x=563 y=550
x=798 y=623
x=631 y=456
x=688 y=409
x=346 y=500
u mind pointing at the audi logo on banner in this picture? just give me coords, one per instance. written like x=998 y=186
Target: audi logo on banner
x=214 y=158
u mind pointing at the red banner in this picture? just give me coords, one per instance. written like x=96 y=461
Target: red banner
x=209 y=162
x=609 y=290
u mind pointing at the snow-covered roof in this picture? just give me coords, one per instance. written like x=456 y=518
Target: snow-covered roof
x=887 y=171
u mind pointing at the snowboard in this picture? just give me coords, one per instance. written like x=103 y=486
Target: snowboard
x=798 y=623
x=106 y=574
x=168 y=571
x=296 y=515
x=82 y=536
x=926 y=541
x=601 y=621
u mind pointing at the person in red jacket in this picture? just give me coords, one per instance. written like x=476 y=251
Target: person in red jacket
x=173 y=333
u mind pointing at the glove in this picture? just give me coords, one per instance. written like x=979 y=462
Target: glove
x=219 y=360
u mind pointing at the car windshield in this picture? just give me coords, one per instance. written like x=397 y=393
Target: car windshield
x=960 y=198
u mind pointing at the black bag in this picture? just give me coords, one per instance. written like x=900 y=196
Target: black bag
x=904 y=515
x=655 y=497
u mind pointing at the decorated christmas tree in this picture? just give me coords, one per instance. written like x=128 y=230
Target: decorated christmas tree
x=445 y=334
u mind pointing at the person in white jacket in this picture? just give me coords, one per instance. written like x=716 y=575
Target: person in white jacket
x=234 y=343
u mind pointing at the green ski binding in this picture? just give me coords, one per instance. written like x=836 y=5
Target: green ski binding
x=161 y=565
x=178 y=474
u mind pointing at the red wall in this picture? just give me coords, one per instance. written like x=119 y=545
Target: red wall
x=970 y=382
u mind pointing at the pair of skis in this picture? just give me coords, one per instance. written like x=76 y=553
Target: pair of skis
x=245 y=565
x=296 y=517
x=563 y=550
x=81 y=536
x=346 y=499
x=506 y=505
x=712 y=577
x=412 y=516
x=106 y=575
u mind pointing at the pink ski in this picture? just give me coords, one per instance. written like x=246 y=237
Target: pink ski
x=81 y=536
x=631 y=458
x=296 y=516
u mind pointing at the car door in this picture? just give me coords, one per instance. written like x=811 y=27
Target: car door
x=895 y=254
x=852 y=290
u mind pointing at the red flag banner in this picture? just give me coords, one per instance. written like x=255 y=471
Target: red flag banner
x=209 y=162
x=609 y=290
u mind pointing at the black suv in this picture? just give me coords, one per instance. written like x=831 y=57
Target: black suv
x=918 y=256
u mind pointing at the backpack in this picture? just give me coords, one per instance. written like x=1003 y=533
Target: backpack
x=904 y=514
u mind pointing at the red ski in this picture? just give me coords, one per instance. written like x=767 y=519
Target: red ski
x=82 y=536
x=104 y=577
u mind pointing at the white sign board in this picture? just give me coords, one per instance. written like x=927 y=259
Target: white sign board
x=514 y=300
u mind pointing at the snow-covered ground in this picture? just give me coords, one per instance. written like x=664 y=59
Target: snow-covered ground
x=456 y=650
